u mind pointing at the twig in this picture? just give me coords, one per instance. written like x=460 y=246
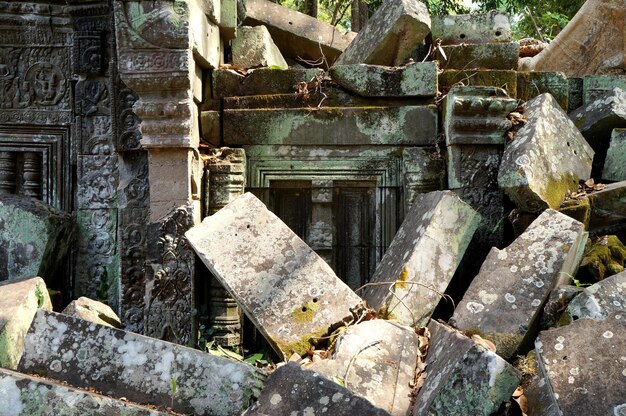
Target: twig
x=345 y=377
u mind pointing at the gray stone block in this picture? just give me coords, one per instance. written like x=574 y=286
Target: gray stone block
x=615 y=163
x=260 y=81
x=532 y=84
x=599 y=300
x=492 y=27
x=124 y=364
x=505 y=300
x=556 y=304
x=92 y=311
x=608 y=210
x=595 y=86
x=253 y=47
x=488 y=56
x=422 y=258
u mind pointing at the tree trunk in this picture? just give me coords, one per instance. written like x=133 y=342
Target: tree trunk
x=310 y=8
x=359 y=16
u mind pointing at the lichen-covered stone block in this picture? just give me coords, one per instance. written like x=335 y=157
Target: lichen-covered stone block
x=595 y=86
x=532 y=84
x=92 y=311
x=505 y=79
x=492 y=27
x=546 y=159
x=253 y=47
x=485 y=56
x=413 y=80
x=19 y=300
x=422 y=258
x=556 y=304
x=391 y=34
x=283 y=286
x=463 y=377
x=505 y=300
x=597 y=119
x=615 y=162
x=599 y=300
x=260 y=81
x=34 y=237
x=141 y=369
x=608 y=210
x=24 y=395
x=376 y=360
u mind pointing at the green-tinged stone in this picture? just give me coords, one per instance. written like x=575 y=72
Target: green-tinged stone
x=230 y=83
x=253 y=47
x=487 y=56
x=615 y=163
x=579 y=209
x=492 y=27
x=604 y=257
x=507 y=80
x=532 y=84
x=594 y=86
x=608 y=210
x=599 y=300
x=575 y=94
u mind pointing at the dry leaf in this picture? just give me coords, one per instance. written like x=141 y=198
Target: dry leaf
x=484 y=342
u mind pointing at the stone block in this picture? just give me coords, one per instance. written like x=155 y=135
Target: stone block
x=298 y=35
x=21 y=394
x=98 y=179
x=488 y=56
x=261 y=81
x=92 y=311
x=556 y=304
x=595 y=86
x=211 y=127
x=34 y=238
x=205 y=35
x=395 y=29
x=292 y=389
x=288 y=292
x=581 y=369
x=253 y=47
x=546 y=159
x=228 y=19
x=608 y=210
x=492 y=27
x=424 y=171
x=464 y=378
x=504 y=301
x=599 y=300
x=422 y=258
x=124 y=364
x=211 y=8
x=598 y=118
x=19 y=300
x=375 y=360
x=473 y=166
x=577 y=208
x=575 y=95
x=507 y=80
x=532 y=84
x=413 y=80
x=409 y=125
x=615 y=163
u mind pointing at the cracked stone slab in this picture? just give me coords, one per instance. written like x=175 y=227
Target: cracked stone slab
x=546 y=159
x=253 y=47
x=92 y=311
x=376 y=360
x=505 y=299
x=422 y=257
x=23 y=395
x=581 y=369
x=599 y=300
x=142 y=369
x=293 y=390
x=283 y=286
x=392 y=33
x=491 y=27
x=463 y=377
x=19 y=300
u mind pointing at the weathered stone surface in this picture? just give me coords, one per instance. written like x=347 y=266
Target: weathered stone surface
x=488 y=56
x=35 y=237
x=577 y=208
x=292 y=389
x=556 y=304
x=575 y=95
x=422 y=258
x=608 y=210
x=376 y=360
x=19 y=300
x=532 y=84
x=228 y=19
x=595 y=86
x=92 y=311
x=463 y=377
x=211 y=127
x=286 y=290
x=505 y=300
x=205 y=33
x=410 y=125
x=492 y=27
x=260 y=81
x=298 y=35
x=507 y=80
x=414 y=80
x=598 y=301
x=546 y=159
x=598 y=118
x=615 y=162
x=424 y=171
x=582 y=367
x=23 y=395
x=253 y=47
x=124 y=364
x=391 y=34
x=604 y=257
x=474 y=166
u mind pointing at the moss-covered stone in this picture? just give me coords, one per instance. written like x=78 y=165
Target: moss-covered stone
x=578 y=208
x=532 y=84
x=603 y=258
x=505 y=79
x=484 y=56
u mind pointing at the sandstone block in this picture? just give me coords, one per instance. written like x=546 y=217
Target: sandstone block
x=598 y=118
x=608 y=210
x=615 y=163
x=505 y=79
x=92 y=311
x=253 y=47
x=532 y=84
x=492 y=27
x=503 y=56
x=599 y=300
x=260 y=81
x=595 y=86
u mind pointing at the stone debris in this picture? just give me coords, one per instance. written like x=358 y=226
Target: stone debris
x=423 y=256
x=375 y=360
x=290 y=294
x=142 y=369
x=608 y=210
x=92 y=311
x=504 y=301
x=395 y=29
x=598 y=301
x=292 y=389
x=546 y=159
x=615 y=162
x=253 y=47
x=595 y=86
x=463 y=377
x=492 y=27
x=556 y=304
x=19 y=300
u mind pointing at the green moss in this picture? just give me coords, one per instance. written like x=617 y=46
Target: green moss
x=506 y=344
x=301 y=345
x=305 y=313
x=578 y=209
x=603 y=258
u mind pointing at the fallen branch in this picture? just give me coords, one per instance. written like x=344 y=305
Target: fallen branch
x=345 y=377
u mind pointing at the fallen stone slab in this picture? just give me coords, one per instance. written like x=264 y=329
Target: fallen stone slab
x=532 y=84
x=599 y=300
x=395 y=29
x=289 y=293
x=581 y=369
x=492 y=27
x=595 y=86
x=505 y=79
x=253 y=47
x=463 y=377
x=21 y=394
x=556 y=304
x=546 y=159
x=19 y=300
x=375 y=360
x=92 y=311
x=597 y=119
x=260 y=81
x=608 y=210
x=503 y=56
x=422 y=258
x=142 y=369
x=413 y=80
x=292 y=389
x=615 y=163
x=504 y=302
x=298 y=35
x=34 y=237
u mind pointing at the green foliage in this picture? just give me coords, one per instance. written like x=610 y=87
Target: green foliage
x=39 y=296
